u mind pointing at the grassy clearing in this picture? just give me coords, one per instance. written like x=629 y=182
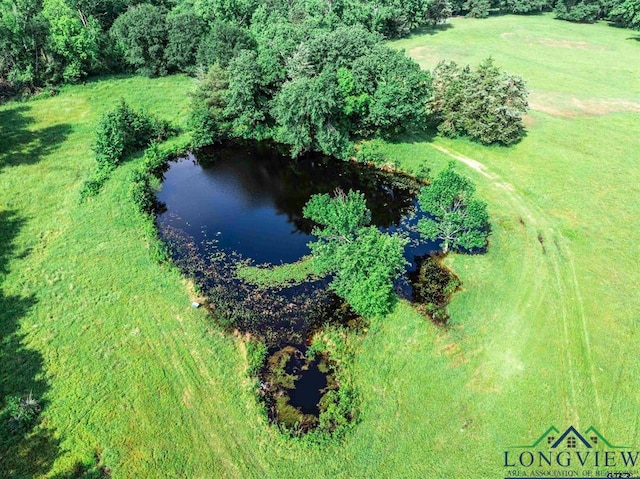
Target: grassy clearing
x=278 y=275
x=544 y=329
x=549 y=312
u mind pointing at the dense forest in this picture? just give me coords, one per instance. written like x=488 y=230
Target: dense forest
x=47 y=42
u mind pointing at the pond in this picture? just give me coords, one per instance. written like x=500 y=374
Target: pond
x=249 y=199
x=234 y=204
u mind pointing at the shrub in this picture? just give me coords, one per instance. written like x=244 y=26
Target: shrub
x=338 y=411
x=123 y=131
x=92 y=186
x=433 y=287
x=22 y=411
x=119 y=133
x=143 y=182
x=256 y=355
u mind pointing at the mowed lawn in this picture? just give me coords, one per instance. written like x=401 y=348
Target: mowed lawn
x=544 y=332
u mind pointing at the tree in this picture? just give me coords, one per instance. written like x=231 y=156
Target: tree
x=339 y=48
x=458 y=220
x=495 y=106
x=524 y=6
x=236 y=11
x=307 y=115
x=477 y=8
x=399 y=92
x=184 y=34
x=246 y=101
x=627 y=13
x=141 y=35
x=364 y=261
x=74 y=38
x=223 y=42
x=582 y=11
x=439 y=11
x=485 y=104
x=208 y=121
x=23 y=32
x=450 y=90
x=394 y=18
x=312 y=86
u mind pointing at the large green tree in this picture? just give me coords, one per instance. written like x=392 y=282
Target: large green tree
x=246 y=99
x=184 y=32
x=321 y=90
x=627 y=13
x=398 y=92
x=23 y=36
x=308 y=116
x=582 y=11
x=223 y=42
x=141 y=35
x=363 y=261
x=486 y=104
x=75 y=39
x=457 y=219
x=208 y=120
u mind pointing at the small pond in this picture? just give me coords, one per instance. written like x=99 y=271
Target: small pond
x=235 y=204
x=249 y=199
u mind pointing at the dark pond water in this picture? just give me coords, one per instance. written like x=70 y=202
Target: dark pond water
x=308 y=390
x=249 y=199
x=244 y=202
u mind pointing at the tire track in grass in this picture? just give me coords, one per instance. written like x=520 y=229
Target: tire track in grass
x=566 y=283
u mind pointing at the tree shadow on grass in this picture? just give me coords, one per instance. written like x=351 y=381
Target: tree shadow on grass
x=19 y=145
x=429 y=134
x=426 y=135
x=27 y=449
x=430 y=29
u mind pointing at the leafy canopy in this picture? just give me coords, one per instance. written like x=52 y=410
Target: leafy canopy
x=319 y=90
x=364 y=261
x=486 y=104
x=457 y=219
x=627 y=13
x=141 y=35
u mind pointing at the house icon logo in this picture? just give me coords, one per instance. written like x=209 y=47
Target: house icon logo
x=570 y=452
x=571 y=439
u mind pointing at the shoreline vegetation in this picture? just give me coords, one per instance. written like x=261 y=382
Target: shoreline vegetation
x=278 y=275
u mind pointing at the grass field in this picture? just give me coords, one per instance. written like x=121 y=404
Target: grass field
x=544 y=332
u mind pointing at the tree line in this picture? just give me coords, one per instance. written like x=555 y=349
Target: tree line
x=326 y=90
x=622 y=13
x=47 y=42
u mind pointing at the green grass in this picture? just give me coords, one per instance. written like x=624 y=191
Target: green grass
x=277 y=275
x=543 y=333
